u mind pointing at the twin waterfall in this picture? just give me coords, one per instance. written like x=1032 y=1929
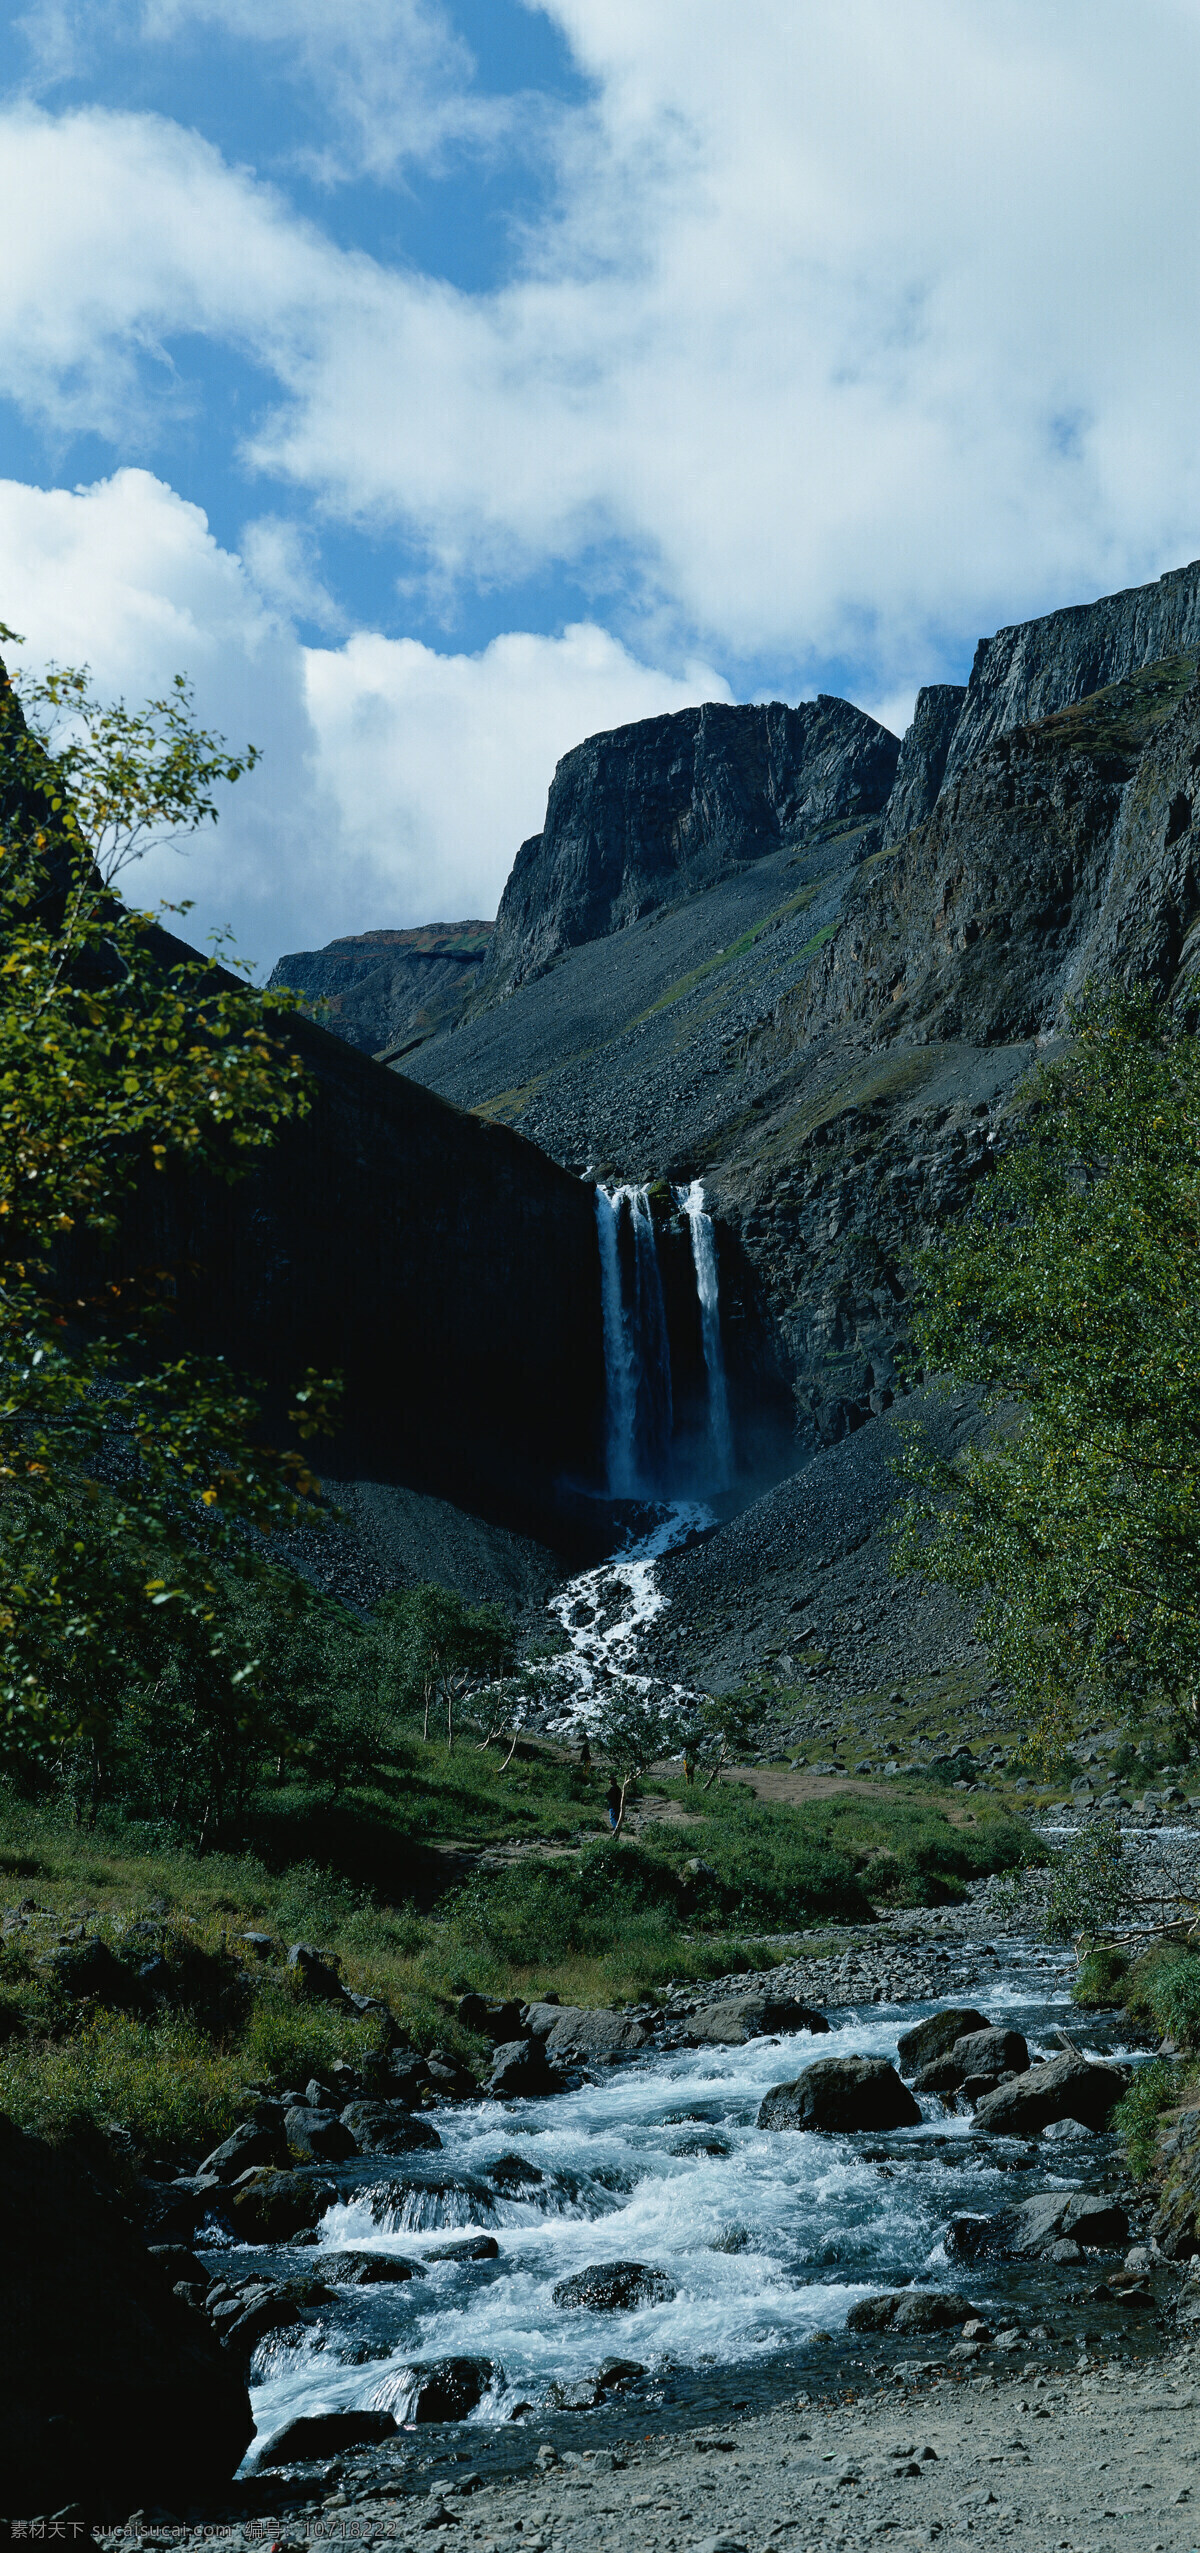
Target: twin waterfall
x=637 y=1351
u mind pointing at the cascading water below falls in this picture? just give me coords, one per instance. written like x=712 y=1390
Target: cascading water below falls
x=704 y=1259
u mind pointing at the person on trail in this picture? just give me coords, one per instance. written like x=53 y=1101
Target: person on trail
x=614 y=1804
x=691 y=1749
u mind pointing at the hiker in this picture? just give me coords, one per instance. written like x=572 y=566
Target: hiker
x=614 y=1803
x=691 y=1749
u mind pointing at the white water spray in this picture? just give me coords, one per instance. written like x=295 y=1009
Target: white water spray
x=704 y=1259
x=620 y=1356
x=637 y=1354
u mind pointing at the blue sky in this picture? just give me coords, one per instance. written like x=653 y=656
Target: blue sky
x=437 y=381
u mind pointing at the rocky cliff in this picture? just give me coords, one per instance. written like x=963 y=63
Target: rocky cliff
x=386 y=991
x=650 y=813
x=829 y=1035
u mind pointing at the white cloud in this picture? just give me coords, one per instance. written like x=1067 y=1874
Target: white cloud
x=396 y=783
x=856 y=332
x=441 y=763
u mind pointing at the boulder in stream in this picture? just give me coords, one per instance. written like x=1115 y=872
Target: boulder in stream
x=737 y=2018
x=321 y=2134
x=521 y=2072
x=386 y=2127
x=1068 y=2087
x=250 y=2143
x=980 y=2055
x=368 y=2269
x=447 y=2389
x=614 y=2287
x=935 y=2038
x=275 y=2205
x=910 y=2309
x=1037 y=2228
x=113 y=2390
x=841 y=2096
x=576 y=2036
x=327 y=2433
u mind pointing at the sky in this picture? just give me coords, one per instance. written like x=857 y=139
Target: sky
x=437 y=382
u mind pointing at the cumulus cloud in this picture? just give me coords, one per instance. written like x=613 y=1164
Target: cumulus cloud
x=850 y=335
x=396 y=783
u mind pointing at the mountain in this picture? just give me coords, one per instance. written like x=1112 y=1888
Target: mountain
x=386 y=991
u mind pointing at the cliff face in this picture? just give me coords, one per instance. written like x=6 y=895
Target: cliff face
x=651 y=813
x=387 y=991
x=922 y=762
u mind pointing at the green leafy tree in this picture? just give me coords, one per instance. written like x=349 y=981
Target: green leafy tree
x=722 y=1730
x=128 y=1476
x=1071 y=1295
x=635 y=1729
x=444 y=1648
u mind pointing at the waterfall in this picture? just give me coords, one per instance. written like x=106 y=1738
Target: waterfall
x=704 y=1259
x=637 y=1356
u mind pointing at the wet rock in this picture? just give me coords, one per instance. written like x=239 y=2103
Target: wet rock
x=321 y=2134
x=276 y=2205
x=738 y=2018
x=910 y=2309
x=327 y=2433
x=417 y=2203
x=980 y=2056
x=515 y=2171
x=614 y=2287
x=521 y=2071
x=472 y=2247
x=112 y=2389
x=841 y=2095
x=1037 y=2227
x=937 y=2036
x=248 y=2144
x=448 y=2389
x=244 y=2316
x=368 y=2269
x=1068 y=2087
x=386 y=2127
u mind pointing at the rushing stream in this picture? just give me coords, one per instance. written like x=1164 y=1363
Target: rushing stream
x=767 y=2238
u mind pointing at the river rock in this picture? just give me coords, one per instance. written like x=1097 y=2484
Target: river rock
x=368 y=2269
x=326 y=2433
x=471 y=2247
x=113 y=2391
x=386 y=2127
x=934 y=2038
x=1036 y=2228
x=841 y=2095
x=738 y=2018
x=252 y=2142
x=614 y=2287
x=577 y=2036
x=521 y=2071
x=1068 y=2087
x=448 y=2389
x=321 y=2134
x=500 y=2022
x=243 y=2316
x=275 y=2205
x=910 y=2309
x=981 y=2057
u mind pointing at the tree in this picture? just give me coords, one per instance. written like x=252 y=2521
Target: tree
x=128 y=1476
x=724 y=1726
x=1071 y=1295
x=635 y=1728
x=444 y=1648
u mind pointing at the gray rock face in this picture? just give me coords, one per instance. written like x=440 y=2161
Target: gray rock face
x=923 y=750
x=614 y=2287
x=841 y=2095
x=113 y=2390
x=1067 y=2088
x=738 y=2018
x=654 y=811
x=389 y=990
x=1036 y=667
x=935 y=2038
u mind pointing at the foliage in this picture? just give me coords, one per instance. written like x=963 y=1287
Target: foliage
x=1100 y=1985
x=726 y=1723
x=1073 y=1290
x=126 y=1473
x=1155 y=2088
x=161 y=2081
x=444 y=1648
x=1091 y=1886
x=635 y=1730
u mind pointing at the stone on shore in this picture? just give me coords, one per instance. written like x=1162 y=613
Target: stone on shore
x=250 y=2143
x=327 y=2433
x=1037 y=2228
x=840 y=2096
x=520 y=2071
x=577 y=2036
x=910 y=2309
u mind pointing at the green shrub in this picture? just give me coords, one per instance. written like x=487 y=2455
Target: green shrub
x=1165 y=1991
x=1090 y=1883
x=1155 y=2088
x=1100 y=1985
x=286 y=2040
x=157 y=2079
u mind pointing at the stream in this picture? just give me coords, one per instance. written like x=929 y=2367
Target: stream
x=767 y=2239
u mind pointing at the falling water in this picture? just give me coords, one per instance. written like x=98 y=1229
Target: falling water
x=704 y=1257
x=637 y=1356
